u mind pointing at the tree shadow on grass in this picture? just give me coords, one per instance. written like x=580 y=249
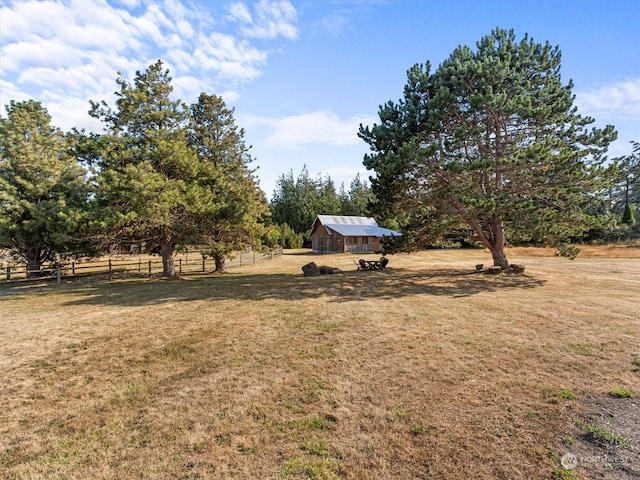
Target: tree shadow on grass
x=351 y=286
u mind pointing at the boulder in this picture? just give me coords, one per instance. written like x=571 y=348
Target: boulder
x=310 y=269
x=328 y=270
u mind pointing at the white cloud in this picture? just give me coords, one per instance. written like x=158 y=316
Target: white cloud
x=230 y=97
x=321 y=127
x=619 y=148
x=240 y=13
x=67 y=52
x=336 y=21
x=271 y=19
x=188 y=88
x=130 y=3
x=614 y=102
x=70 y=112
x=45 y=53
x=8 y=92
x=31 y=16
x=230 y=58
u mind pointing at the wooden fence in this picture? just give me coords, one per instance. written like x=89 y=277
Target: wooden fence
x=124 y=265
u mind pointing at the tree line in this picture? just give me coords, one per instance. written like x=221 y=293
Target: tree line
x=162 y=175
x=297 y=201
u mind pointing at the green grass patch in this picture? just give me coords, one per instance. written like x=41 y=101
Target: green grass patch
x=563 y=474
x=247 y=450
x=398 y=413
x=316 y=447
x=556 y=395
x=622 y=393
x=314 y=423
x=312 y=468
x=602 y=434
x=65 y=452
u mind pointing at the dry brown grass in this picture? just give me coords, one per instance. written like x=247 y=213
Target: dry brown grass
x=427 y=370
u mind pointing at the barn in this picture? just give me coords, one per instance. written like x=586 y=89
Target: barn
x=339 y=234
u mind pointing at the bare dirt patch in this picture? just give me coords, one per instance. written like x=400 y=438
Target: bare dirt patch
x=425 y=370
x=606 y=440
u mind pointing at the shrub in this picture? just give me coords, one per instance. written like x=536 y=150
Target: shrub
x=289 y=238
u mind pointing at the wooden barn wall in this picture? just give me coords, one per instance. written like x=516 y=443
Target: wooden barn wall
x=322 y=242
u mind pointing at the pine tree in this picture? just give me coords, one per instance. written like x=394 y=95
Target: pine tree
x=237 y=204
x=489 y=144
x=175 y=176
x=147 y=170
x=44 y=193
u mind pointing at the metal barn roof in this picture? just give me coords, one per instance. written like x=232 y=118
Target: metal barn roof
x=346 y=220
x=361 y=230
x=349 y=226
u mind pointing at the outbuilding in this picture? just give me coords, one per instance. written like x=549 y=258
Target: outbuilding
x=340 y=234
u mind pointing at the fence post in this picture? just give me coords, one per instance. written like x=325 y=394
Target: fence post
x=149 y=268
x=204 y=259
x=73 y=268
x=8 y=273
x=180 y=266
x=139 y=265
x=110 y=273
x=240 y=258
x=58 y=273
x=254 y=257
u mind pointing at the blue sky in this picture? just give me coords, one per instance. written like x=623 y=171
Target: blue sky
x=303 y=74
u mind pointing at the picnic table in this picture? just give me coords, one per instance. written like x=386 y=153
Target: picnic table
x=373 y=264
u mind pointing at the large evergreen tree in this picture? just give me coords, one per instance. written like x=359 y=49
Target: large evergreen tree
x=172 y=176
x=490 y=141
x=44 y=192
x=239 y=204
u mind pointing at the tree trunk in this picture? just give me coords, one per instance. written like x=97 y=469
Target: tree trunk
x=34 y=262
x=494 y=242
x=497 y=250
x=221 y=265
x=499 y=257
x=168 y=266
x=33 y=268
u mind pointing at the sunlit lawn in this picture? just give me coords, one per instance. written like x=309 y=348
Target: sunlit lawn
x=425 y=370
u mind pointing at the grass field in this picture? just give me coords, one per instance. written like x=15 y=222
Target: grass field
x=427 y=370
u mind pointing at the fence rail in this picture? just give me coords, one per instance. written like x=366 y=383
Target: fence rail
x=122 y=265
